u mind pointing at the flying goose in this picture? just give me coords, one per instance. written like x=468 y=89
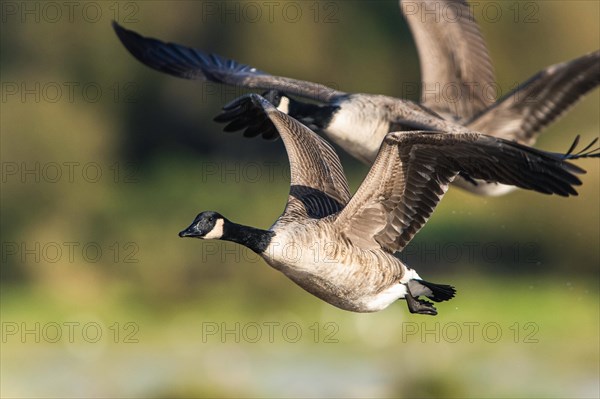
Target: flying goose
x=359 y=122
x=340 y=248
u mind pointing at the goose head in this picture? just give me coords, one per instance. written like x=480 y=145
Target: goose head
x=207 y=225
x=279 y=99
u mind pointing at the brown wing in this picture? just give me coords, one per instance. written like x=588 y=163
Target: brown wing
x=412 y=172
x=318 y=186
x=455 y=63
x=540 y=100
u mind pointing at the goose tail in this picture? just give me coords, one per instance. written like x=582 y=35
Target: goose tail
x=435 y=292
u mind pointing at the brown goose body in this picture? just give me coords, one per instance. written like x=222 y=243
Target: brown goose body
x=334 y=270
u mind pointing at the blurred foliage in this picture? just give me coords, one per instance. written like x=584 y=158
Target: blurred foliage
x=162 y=160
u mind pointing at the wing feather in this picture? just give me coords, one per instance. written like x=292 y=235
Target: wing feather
x=536 y=103
x=190 y=63
x=318 y=186
x=452 y=54
x=412 y=173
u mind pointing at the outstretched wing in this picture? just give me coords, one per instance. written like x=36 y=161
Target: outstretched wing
x=453 y=55
x=412 y=173
x=318 y=185
x=539 y=101
x=189 y=63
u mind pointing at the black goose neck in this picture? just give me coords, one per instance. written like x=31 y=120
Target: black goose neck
x=314 y=116
x=256 y=239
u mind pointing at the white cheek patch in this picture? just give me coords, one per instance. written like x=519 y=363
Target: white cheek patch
x=216 y=232
x=284 y=105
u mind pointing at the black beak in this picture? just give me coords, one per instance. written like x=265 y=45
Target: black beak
x=191 y=231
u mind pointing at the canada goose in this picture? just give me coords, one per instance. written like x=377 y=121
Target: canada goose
x=359 y=122
x=339 y=248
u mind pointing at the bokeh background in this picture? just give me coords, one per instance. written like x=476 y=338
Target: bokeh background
x=105 y=160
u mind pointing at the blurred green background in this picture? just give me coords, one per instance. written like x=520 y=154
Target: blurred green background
x=105 y=160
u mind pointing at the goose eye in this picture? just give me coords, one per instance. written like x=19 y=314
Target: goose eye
x=211 y=219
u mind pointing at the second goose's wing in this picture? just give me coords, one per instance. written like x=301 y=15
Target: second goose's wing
x=318 y=186
x=452 y=55
x=539 y=101
x=412 y=172
x=190 y=63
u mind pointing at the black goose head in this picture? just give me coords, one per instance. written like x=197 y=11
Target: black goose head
x=211 y=225
x=279 y=99
x=207 y=225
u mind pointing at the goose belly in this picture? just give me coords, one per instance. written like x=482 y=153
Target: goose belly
x=360 y=300
x=350 y=279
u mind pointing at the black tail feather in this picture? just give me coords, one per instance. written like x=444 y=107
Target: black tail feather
x=440 y=292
